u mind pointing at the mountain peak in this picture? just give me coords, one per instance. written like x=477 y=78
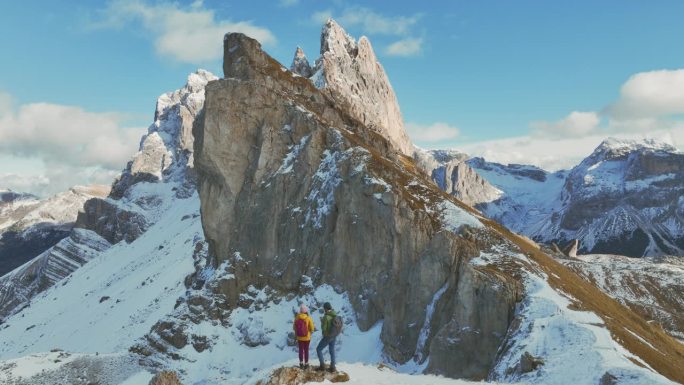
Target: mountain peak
x=300 y=64
x=350 y=73
x=617 y=147
x=335 y=39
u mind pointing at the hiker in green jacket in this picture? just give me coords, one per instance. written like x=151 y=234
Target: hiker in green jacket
x=329 y=337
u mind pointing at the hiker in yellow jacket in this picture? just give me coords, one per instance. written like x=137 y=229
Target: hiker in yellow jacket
x=303 y=326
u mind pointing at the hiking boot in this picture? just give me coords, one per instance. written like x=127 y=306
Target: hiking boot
x=301 y=365
x=320 y=368
x=306 y=366
x=332 y=369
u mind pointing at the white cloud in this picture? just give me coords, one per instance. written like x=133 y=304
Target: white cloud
x=320 y=17
x=56 y=179
x=372 y=22
x=576 y=124
x=650 y=94
x=68 y=135
x=405 y=47
x=190 y=35
x=436 y=132
x=34 y=184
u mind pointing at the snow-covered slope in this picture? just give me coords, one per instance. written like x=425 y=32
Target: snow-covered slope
x=575 y=347
x=529 y=194
x=13 y=206
x=107 y=303
x=134 y=204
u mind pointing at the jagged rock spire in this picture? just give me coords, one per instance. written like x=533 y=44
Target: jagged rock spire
x=300 y=64
x=351 y=74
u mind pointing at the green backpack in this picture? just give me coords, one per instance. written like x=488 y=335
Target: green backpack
x=336 y=326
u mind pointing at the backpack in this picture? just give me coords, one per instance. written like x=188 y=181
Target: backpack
x=301 y=327
x=336 y=326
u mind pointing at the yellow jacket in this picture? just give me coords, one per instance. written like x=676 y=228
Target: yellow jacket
x=310 y=324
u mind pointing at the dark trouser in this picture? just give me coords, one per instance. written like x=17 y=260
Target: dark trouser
x=330 y=343
x=304 y=351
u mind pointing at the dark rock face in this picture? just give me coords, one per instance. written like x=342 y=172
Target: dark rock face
x=22 y=284
x=17 y=248
x=295 y=186
x=300 y=64
x=522 y=170
x=111 y=221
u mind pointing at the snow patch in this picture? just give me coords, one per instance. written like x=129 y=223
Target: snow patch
x=455 y=217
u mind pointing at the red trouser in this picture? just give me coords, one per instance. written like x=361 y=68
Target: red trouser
x=304 y=351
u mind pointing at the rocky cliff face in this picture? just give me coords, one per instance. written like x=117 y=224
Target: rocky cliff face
x=294 y=187
x=450 y=171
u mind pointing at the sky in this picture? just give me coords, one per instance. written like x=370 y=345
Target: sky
x=525 y=81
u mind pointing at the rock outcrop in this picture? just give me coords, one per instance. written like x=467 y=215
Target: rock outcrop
x=450 y=171
x=293 y=184
x=165 y=378
x=296 y=376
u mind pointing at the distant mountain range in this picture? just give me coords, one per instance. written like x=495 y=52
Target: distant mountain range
x=626 y=198
x=29 y=225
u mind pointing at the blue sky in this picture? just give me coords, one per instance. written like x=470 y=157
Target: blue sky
x=475 y=75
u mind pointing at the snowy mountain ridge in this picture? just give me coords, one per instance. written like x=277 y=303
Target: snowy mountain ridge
x=257 y=192
x=134 y=204
x=29 y=225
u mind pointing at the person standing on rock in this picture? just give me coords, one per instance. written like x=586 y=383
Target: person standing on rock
x=331 y=326
x=303 y=326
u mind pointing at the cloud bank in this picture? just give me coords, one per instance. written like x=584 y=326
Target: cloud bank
x=186 y=34
x=436 y=132
x=74 y=144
